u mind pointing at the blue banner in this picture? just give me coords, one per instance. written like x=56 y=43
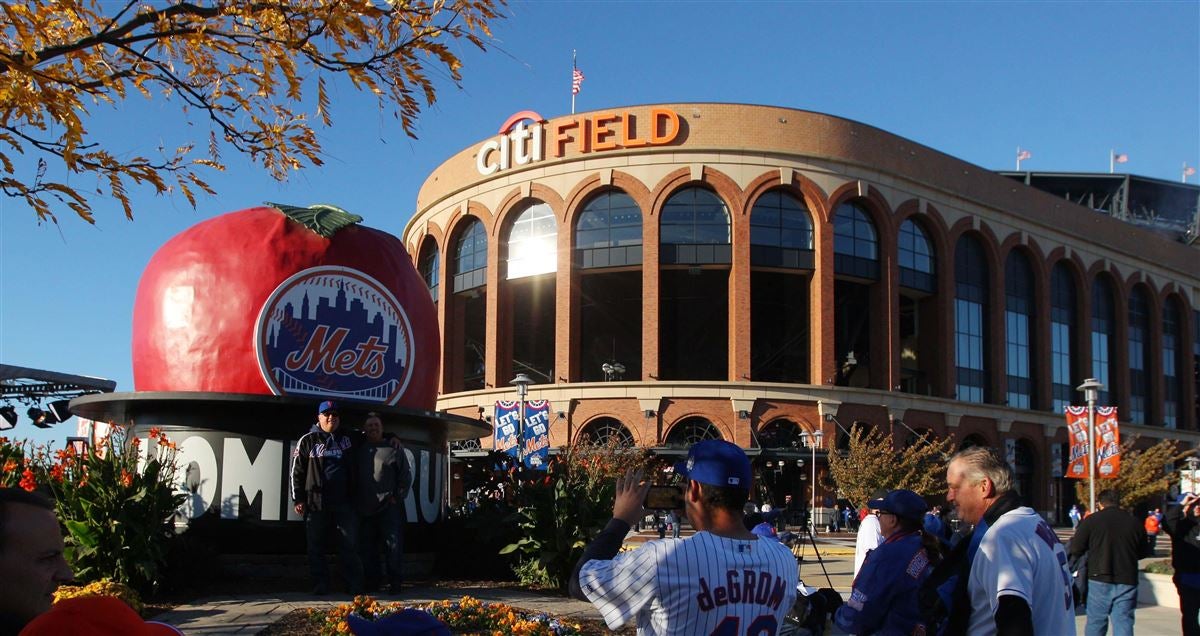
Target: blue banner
x=537 y=430
x=537 y=433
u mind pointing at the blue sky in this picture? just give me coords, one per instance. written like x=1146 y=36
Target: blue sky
x=1066 y=80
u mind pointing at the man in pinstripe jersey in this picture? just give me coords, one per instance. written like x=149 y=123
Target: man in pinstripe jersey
x=723 y=580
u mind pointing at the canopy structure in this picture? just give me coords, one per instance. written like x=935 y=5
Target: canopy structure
x=34 y=385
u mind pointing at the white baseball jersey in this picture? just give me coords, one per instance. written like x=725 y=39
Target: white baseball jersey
x=869 y=538
x=704 y=584
x=1021 y=555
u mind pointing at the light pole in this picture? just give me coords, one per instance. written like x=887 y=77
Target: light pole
x=812 y=440
x=522 y=383
x=1091 y=390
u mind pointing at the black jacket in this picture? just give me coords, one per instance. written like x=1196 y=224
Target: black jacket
x=322 y=474
x=1185 y=540
x=1113 y=541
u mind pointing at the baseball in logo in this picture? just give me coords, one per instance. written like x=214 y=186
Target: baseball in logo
x=334 y=331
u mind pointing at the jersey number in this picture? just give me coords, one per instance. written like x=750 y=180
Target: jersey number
x=763 y=625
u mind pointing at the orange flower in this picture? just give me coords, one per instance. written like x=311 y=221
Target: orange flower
x=58 y=471
x=10 y=465
x=155 y=432
x=126 y=478
x=28 y=482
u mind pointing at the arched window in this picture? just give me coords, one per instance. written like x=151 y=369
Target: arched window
x=1103 y=334
x=970 y=320
x=972 y=441
x=532 y=242
x=780 y=433
x=429 y=263
x=1172 y=378
x=609 y=232
x=604 y=431
x=695 y=228
x=470 y=257
x=855 y=243
x=690 y=431
x=916 y=258
x=1062 y=335
x=1139 y=330
x=1018 y=320
x=781 y=232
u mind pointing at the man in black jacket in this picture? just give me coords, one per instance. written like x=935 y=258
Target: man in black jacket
x=322 y=477
x=1181 y=525
x=1113 y=540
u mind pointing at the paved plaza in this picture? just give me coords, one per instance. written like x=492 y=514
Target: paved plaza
x=253 y=613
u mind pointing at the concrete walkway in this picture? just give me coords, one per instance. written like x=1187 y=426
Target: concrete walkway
x=252 y=613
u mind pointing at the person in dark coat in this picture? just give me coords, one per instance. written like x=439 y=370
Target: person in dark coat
x=1113 y=539
x=384 y=479
x=884 y=597
x=1181 y=524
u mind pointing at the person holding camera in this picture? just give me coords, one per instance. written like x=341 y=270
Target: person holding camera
x=1181 y=525
x=723 y=576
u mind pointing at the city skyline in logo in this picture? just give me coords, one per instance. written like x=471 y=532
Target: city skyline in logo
x=335 y=332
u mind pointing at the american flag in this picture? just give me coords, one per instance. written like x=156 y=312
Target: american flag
x=1189 y=171
x=576 y=80
x=1023 y=155
x=1121 y=158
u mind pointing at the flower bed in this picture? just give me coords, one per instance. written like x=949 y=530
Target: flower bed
x=467 y=615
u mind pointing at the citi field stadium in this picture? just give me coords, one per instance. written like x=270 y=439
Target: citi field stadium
x=675 y=272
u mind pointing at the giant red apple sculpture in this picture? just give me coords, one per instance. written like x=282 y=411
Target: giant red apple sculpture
x=280 y=300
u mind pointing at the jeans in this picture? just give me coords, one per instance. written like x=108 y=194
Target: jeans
x=317 y=524
x=383 y=529
x=1115 y=600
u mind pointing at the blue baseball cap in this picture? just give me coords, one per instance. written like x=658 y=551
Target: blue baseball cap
x=902 y=503
x=327 y=405
x=717 y=463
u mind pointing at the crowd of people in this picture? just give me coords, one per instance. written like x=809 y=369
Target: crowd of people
x=1006 y=572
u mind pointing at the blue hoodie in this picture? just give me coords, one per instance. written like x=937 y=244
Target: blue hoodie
x=884 y=598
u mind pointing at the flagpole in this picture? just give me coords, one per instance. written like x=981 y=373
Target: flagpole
x=1018 y=158
x=573 y=67
x=1112 y=156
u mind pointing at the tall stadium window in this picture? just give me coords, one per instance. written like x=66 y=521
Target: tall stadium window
x=918 y=308
x=855 y=246
x=970 y=320
x=1018 y=317
x=781 y=259
x=1196 y=362
x=1172 y=378
x=429 y=262
x=694 y=287
x=781 y=232
x=695 y=228
x=781 y=433
x=1062 y=337
x=916 y=258
x=532 y=242
x=1139 y=329
x=609 y=232
x=528 y=306
x=692 y=430
x=1103 y=335
x=467 y=326
x=856 y=269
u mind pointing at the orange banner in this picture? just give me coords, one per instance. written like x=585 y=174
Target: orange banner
x=1077 y=432
x=1108 y=443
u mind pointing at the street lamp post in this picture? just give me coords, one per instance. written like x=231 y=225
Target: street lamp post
x=522 y=383
x=1091 y=390
x=812 y=441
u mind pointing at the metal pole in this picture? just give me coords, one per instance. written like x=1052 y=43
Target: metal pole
x=1091 y=402
x=812 y=507
x=521 y=433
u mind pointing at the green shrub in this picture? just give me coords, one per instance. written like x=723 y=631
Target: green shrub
x=1162 y=566
x=561 y=509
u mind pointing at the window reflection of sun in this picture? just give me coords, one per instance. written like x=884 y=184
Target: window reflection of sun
x=532 y=243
